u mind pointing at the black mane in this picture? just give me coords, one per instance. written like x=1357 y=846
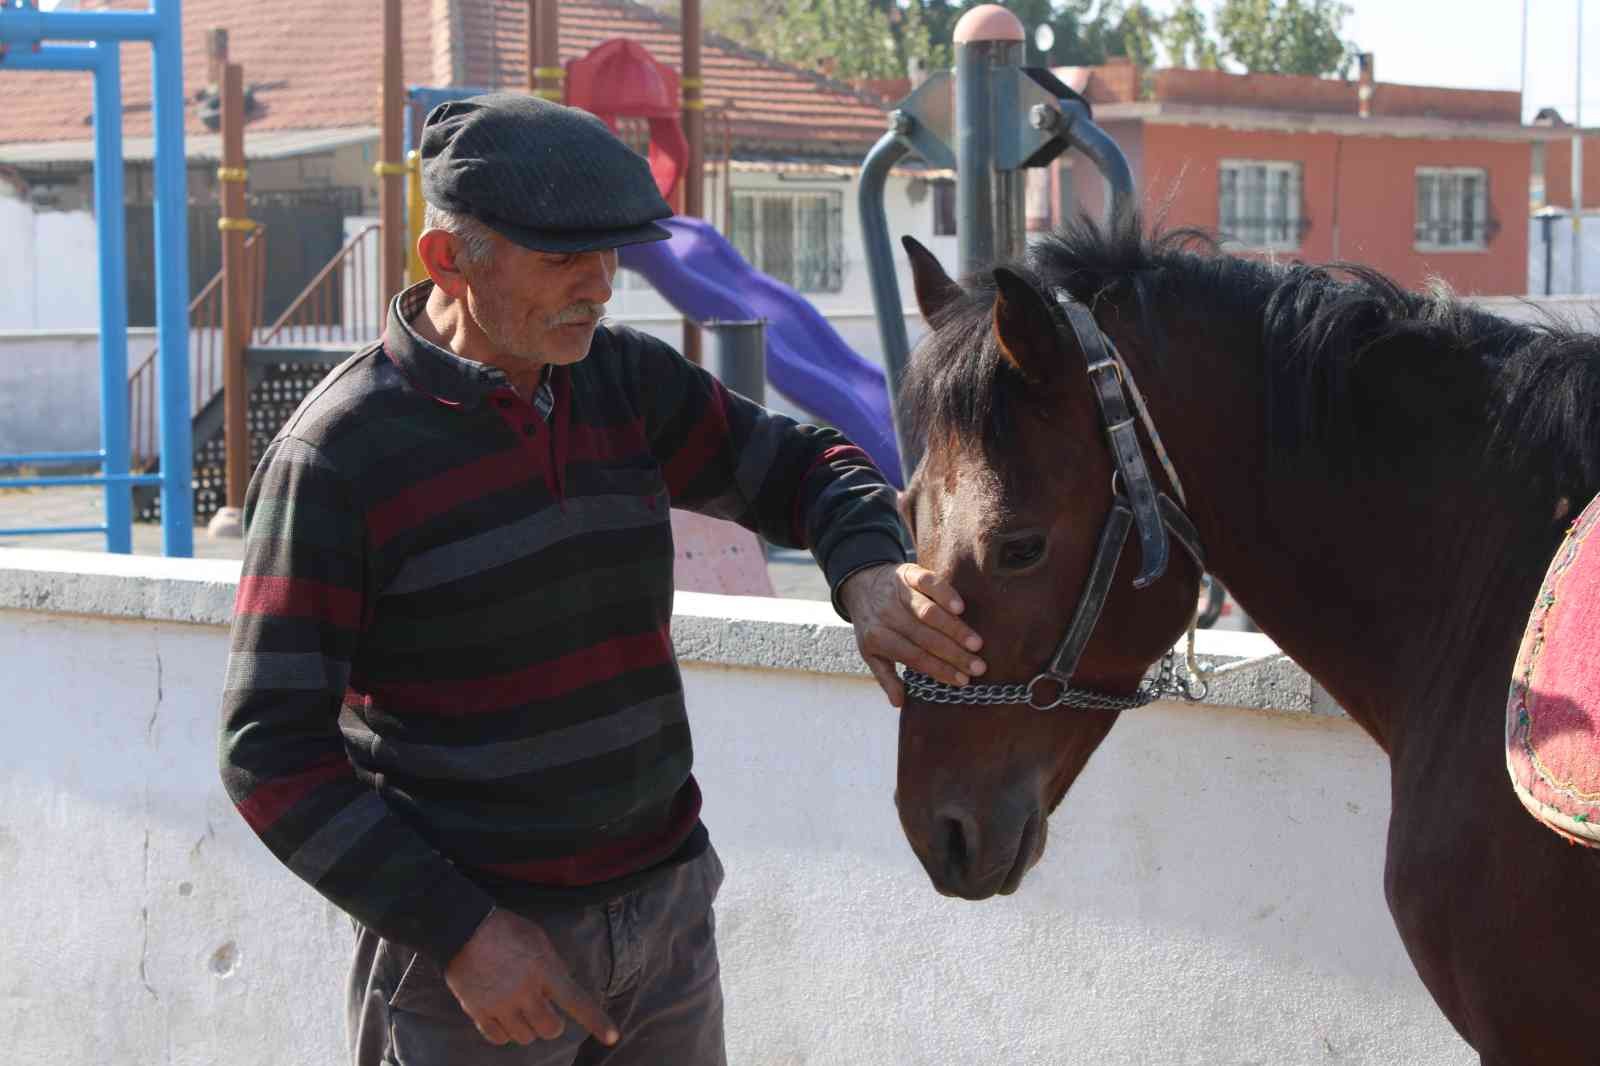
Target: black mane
x=1335 y=342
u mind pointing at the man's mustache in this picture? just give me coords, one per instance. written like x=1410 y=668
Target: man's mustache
x=581 y=311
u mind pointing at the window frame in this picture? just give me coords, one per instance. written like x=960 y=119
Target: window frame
x=832 y=268
x=1486 y=226
x=1297 y=223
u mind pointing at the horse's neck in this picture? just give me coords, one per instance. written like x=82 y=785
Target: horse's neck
x=1398 y=598
x=1398 y=586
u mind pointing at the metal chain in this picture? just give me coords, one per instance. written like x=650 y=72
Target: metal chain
x=925 y=689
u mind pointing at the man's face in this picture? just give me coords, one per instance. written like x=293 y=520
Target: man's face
x=538 y=306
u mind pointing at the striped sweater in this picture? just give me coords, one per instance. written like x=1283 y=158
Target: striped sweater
x=452 y=682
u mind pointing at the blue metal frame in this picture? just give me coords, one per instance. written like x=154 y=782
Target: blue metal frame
x=23 y=31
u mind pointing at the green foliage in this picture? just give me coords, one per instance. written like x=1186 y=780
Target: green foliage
x=1285 y=36
x=881 y=38
x=1188 y=39
x=850 y=38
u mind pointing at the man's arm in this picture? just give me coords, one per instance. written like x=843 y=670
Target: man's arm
x=300 y=610
x=807 y=487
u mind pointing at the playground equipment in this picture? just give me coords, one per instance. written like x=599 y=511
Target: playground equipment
x=24 y=33
x=991 y=119
x=705 y=278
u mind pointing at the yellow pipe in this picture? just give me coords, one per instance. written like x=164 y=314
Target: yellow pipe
x=415 y=271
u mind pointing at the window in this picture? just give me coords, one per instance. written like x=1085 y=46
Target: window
x=1258 y=204
x=1452 y=208
x=795 y=237
x=944 y=208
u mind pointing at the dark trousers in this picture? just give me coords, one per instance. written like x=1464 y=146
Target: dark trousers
x=649 y=956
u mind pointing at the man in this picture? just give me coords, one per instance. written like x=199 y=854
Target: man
x=452 y=704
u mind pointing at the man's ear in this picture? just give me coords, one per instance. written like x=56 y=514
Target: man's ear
x=437 y=249
x=1025 y=328
x=934 y=288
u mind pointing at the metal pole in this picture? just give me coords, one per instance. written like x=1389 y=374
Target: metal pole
x=889 y=150
x=974 y=153
x=391 y=167
x=694 y=131
x=234 y=225
x=105 y=26
x=545 y=73
x=1095 y=143
x=110 y=221
x=172 y=285
x=989 y=203
x=1577 y=169
x=1522 y=82
x=1544 y=228
x=739 y=356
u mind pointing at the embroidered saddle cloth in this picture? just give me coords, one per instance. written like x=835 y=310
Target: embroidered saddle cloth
x=1553 y=713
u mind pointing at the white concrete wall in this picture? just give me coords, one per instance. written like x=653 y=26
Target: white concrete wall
x=50 y=386
x=1211 y=892
x=50 y=272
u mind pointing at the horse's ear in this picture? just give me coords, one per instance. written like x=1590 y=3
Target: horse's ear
x=1024 y=328
x=934 y=288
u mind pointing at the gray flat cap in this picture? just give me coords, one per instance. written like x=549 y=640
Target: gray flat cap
x=549 y=177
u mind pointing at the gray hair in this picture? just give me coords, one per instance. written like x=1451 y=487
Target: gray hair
x=475 y=240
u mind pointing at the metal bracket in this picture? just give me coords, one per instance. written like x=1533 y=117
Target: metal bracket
x=931 y=109
x=1030 y=124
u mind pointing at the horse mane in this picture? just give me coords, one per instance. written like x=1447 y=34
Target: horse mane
x=1334 y=341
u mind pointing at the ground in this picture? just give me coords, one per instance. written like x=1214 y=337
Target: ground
x=794 y=574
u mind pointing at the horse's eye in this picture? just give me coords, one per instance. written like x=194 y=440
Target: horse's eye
x=1020 y=553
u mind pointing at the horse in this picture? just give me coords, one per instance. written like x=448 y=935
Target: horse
x=1379 y=476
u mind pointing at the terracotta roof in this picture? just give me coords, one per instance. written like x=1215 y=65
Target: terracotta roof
x=770 y=107
x=315 y=64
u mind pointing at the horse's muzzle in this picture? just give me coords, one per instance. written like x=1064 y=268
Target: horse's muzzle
x=967 y=859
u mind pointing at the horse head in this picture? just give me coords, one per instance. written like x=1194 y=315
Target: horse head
x=1010 y=504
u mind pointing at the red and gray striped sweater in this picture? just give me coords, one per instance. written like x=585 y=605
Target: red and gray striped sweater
x=452 y=682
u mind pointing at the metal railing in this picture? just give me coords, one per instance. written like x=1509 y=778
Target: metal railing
x=340 y=305
x=205 y=353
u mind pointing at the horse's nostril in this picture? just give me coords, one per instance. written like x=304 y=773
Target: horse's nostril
x=956 y=852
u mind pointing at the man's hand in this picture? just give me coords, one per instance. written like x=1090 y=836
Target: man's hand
x=509 y=981
x=908 y=615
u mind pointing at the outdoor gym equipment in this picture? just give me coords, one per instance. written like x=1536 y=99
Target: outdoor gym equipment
x=990 y=120
x=24 y=31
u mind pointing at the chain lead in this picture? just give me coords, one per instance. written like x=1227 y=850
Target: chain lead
x=925 y=689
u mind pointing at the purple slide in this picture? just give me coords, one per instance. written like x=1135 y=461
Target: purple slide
x=705 y=278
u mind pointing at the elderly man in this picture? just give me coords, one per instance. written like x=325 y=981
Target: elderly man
x=452 y=704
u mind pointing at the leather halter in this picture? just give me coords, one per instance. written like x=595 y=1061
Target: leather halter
x=1136 y=503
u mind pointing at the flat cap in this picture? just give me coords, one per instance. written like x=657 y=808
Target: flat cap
x=549 y=177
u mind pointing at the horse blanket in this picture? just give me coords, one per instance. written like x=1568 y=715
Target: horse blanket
x=1553 y=713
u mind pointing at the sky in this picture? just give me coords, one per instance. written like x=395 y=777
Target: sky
x=1477 y=44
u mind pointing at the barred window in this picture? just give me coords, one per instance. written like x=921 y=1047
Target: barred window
x=1258 y=204
x=795 y=237
x=1452 y=208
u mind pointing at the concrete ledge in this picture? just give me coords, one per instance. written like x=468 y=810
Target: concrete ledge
x=737 y=631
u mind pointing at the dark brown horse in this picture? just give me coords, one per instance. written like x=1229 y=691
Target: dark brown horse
x=1380 y=477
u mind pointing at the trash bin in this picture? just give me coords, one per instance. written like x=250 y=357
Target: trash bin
x=738 y=356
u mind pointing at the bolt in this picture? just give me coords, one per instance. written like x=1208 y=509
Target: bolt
x=1044 y=117
x=900 y=122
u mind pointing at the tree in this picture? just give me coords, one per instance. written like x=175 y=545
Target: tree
x=1187 y=38
x=847 y=38
x=1285 y=36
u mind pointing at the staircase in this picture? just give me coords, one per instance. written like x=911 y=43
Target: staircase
x=337 y=312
